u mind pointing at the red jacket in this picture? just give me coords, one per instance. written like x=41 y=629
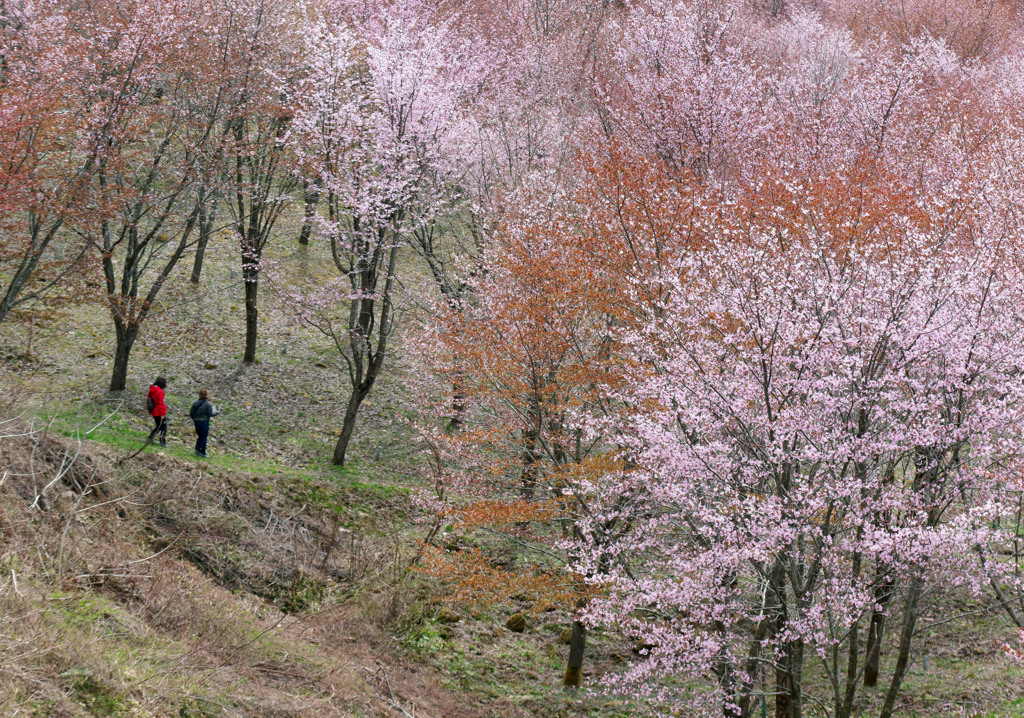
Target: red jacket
x=160 y=408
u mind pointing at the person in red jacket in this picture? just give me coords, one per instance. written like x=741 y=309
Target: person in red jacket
x=155 y=399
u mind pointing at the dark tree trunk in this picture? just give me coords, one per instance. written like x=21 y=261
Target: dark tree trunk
x=876 y=630
x=347 y=426
x=311 y=195
x=577 y=647
x=252 y=278
x=7 y=303
x=853 y=653
x=126 y=335
x=366 y=347
x=926 y=481
x=197 y=264
x=910 y=615
x=787 y=681
x=531 y=456
x=455 y=421
x=206 y=220
x=17 y=283
x=790 y=663
x=127 y=323
x=748 y=701
x=529 y=478
x=734 y=706
x=795 y=652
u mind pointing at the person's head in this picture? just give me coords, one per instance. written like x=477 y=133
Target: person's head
x=160 y=382
x=204 y=394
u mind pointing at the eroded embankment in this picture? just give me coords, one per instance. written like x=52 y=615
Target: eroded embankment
x=163 y=587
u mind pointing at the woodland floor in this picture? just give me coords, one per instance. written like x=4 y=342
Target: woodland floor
x=265 y=582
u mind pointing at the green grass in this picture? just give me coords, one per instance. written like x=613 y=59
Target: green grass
x=125 y=429
x=1011 y=709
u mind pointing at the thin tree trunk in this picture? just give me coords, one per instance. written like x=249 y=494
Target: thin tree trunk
x=311 y=195
x=206 y=220
x=252 y=277
x=368 y=354
x=577 y=647
x=925 y=478
x=530 y=456
x=753 y=666
x=910 y=615
x=876 y=630
x=347 y=426
x=17 y=283
x=456 y=421
x=734 y=706
x=853 y=652
x=787 y=669
x=197 y=264
x=7 y=303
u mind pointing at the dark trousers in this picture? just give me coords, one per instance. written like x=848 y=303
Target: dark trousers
x=161 y=426
x=202 y=431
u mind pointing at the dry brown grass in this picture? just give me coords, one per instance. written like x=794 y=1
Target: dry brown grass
x=156 y=589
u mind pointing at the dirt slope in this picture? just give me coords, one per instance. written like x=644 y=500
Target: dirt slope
x=160 y=587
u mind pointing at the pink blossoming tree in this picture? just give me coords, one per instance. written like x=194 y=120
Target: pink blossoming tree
x=830 y=436
x=377 y=127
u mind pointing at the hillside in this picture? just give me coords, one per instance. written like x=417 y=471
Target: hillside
x=264 y=582
x=261 y=582
x=573 y=358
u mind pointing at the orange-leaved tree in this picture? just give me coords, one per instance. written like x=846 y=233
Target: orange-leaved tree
x=538 y=365
x=43 y=167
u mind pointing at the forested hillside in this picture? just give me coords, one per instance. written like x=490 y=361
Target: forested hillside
x=556 y=357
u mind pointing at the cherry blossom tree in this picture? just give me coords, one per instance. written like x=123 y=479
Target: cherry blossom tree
x=833 y=415
x=856 y=168
x=523 y=354
x=523 y=81
x=721 y=90
x=377 y=127
x=682 y=86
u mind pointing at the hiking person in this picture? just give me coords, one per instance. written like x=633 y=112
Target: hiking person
x=157 y=409
x=201 y=413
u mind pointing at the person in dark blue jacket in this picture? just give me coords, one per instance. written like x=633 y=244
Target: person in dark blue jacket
x=201 y=413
